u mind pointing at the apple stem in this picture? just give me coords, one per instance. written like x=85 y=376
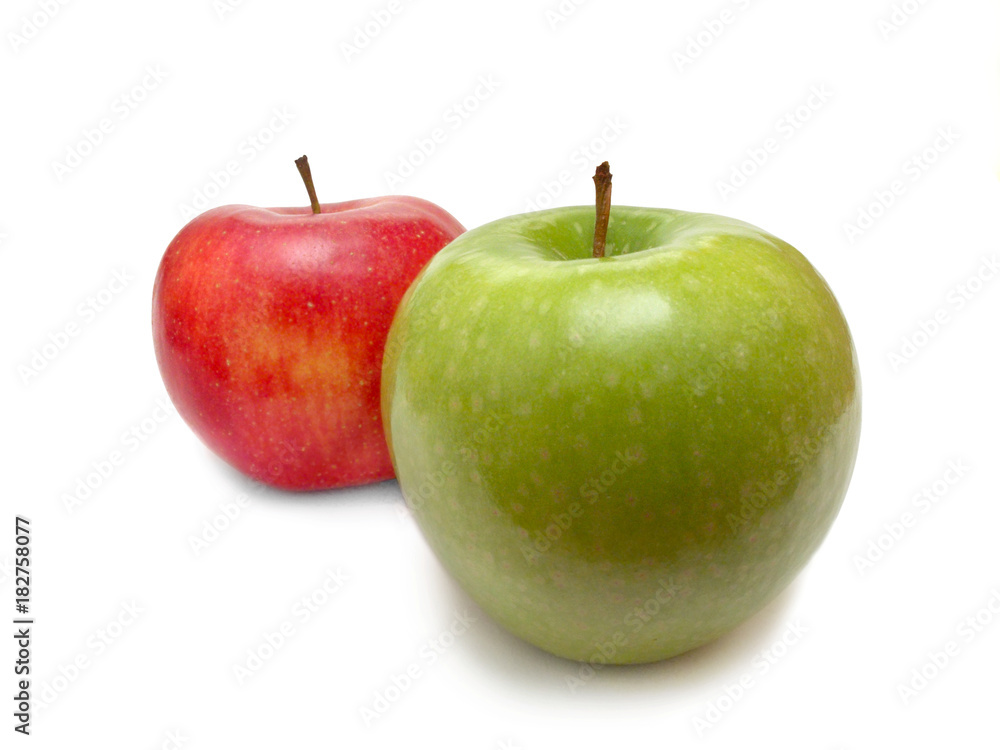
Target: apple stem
x=602 y=181
x=303 y=164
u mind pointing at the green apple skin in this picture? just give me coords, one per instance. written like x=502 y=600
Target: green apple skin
x=621 y=459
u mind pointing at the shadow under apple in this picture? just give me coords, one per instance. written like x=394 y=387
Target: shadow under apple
x=530 y=669
x=384 y=493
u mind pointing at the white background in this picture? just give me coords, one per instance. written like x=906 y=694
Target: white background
x=167 y=678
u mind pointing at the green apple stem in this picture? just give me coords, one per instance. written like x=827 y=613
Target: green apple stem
x=602 y=181
x=303 y=164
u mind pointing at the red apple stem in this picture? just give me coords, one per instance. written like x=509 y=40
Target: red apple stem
x=602 y=182
x=303 y=164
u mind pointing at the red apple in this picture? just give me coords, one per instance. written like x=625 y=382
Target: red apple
x=269 y=326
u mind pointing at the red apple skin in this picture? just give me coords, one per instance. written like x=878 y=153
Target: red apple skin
x=269 y=326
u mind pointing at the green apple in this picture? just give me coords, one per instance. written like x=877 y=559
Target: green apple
x=621 y=458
